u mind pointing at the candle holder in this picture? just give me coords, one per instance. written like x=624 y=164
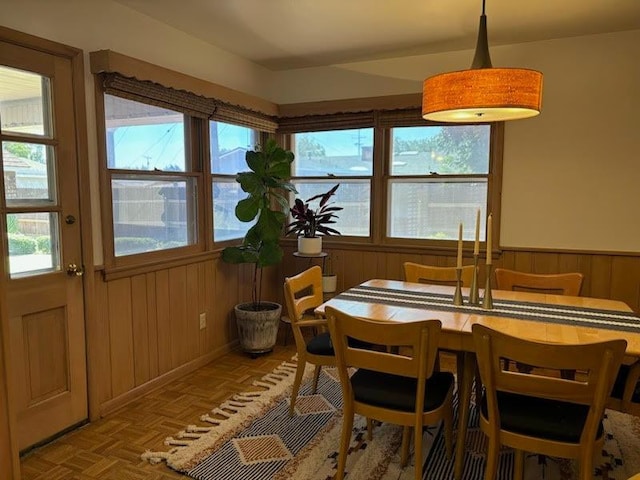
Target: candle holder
x=487 y=301
x=474 y=295
x=457 y=296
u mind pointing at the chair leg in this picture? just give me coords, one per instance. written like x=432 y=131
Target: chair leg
x=478 y=385
x=369 y=429
x=345 y=439
x=491 y=467
x=296 y=385
x=586 y=465
x=406 y=443
x=518 y=465
x=448 y=430
x=417 y=451
x=316 y=376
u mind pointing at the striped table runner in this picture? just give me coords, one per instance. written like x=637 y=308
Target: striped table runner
x=539 y=312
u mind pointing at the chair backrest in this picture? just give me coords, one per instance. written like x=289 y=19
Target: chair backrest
x=415 y=357
x=559 y=283
x=303 y=292
x=418 y=273
x=597 y=362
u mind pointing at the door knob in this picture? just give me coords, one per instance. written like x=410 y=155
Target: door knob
x=74 y=270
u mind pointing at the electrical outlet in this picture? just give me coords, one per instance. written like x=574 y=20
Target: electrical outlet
x=203 y=321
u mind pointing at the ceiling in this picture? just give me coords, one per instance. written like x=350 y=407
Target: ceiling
x=286 y=34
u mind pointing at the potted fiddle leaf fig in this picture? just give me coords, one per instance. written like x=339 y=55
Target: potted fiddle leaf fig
x=310 y=224
x=266 y=184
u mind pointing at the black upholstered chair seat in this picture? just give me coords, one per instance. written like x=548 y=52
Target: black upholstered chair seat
x=540 y=417
x=399 y=393
x=618 y=386
x=320 y=345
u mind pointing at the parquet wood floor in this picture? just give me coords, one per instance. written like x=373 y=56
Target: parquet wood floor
x=110 y=448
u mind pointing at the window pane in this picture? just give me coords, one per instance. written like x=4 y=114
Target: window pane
x=433 y=210
x=460 y=149
x=338 y=152
x=33 y=242
x=226 y=226
x=153 y=214
x=24 y=103
x=143 y=137
x=28 y=172
x=354 y=196
x=229 y=144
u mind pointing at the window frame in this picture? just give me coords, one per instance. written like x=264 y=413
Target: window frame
x=384 y=122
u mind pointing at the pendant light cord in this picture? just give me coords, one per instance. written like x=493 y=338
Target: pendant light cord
x=482 y=59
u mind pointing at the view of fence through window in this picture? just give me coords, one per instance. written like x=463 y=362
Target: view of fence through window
x=29 y=172
x=438 y=179
x=153 y=200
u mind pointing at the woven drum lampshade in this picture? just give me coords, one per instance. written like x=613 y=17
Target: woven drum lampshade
x=482 y=93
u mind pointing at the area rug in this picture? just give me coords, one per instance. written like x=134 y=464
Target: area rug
x=251 y=436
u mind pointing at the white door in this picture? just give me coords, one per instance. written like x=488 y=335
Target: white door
x=41 y=243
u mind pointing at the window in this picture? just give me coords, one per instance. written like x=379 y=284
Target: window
x=228 y=145
x=438 y=178
x=422 y=179
x=325 y=158
x=153 y=186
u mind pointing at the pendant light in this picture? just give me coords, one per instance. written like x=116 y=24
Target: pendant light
x=482 y=93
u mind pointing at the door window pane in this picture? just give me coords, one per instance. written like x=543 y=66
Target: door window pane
x=143 y=137
x=33 y=244
x=433 y=210
x=442 y=150
x=354 y=196
x=25 y=106
x=152 y=214
x=28 y=173
x=338 y=152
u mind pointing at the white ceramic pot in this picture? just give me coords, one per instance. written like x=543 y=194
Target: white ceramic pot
x=329 y=283
x=309 y=246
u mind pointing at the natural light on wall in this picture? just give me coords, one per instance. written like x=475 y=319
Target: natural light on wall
x=482 y=93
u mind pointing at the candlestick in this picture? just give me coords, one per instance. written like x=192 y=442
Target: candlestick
x=476 y=245
x=487 y=301
x=459 y=264
x=474 y=295
x=457 y=296
x=489 y=236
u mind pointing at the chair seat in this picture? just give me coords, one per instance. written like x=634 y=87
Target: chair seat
x=397 y=392
x=320 y=345
x=540 y=417
x=621 y=379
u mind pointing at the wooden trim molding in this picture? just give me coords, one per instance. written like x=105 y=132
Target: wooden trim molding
x=137 y=392
x=389 y=102
x=109 y=61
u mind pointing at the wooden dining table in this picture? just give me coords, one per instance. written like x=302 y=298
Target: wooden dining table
x=533 y=316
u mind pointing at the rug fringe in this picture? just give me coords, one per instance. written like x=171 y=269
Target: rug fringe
x=196 y=442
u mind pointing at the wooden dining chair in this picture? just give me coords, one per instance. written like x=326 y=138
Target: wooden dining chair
x=625 y=396
x=541 y=412
x=432 y=275
x=303 y=293
x=559 y=283
x=397 y=386
x=418 y=273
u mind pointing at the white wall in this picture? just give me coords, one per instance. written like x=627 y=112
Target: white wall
x=571 y=175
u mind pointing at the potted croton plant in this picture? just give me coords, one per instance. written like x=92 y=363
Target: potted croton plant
x=310 y=224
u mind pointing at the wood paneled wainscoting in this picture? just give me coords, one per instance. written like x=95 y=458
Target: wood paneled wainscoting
x=606 y=275
x=147 y=328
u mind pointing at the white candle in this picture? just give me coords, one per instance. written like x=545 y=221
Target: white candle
x=489 y=235
x=460 y=246
x=476 y=246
